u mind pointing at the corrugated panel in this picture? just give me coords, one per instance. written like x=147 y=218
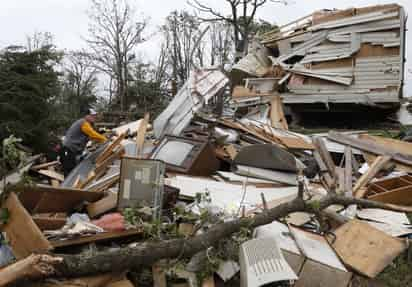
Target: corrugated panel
x=304 y=47
x=255 y=63
x=372 y=36
x=200 y=87
x=373 y=97
x=369 y=27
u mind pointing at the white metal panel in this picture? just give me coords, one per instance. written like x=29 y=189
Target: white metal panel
x=370 y=17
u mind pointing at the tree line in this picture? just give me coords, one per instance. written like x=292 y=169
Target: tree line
x=43 y=88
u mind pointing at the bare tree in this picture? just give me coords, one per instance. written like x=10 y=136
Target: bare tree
x=243 y=13
x=39 y=40
x=113 y=36
x=80 y=80
x=182 y=37
x=221 y=42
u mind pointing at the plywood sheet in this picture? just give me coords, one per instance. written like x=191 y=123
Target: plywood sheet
x=22 y=233
x=364 y=248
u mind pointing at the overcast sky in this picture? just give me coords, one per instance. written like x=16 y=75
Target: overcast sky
x=67 y=19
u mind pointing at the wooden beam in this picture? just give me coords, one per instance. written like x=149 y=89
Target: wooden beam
x=370 y=146
x=51 y=174
x=324 y=153
x=348 y=170
x=141 y=134
x=277 y=116
x=45 y=165
x=110 y=149
x=377 y=165
x=330 y=182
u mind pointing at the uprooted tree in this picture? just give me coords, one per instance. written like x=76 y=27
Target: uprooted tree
x=58 y=265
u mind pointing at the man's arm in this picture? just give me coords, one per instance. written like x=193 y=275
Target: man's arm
x=91 y=133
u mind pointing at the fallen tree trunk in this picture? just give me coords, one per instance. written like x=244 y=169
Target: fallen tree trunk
x=148 y=253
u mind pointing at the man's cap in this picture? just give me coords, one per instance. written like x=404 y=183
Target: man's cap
x=92 y=112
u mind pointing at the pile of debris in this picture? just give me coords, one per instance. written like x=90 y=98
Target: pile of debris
x=338 y=57
x=206 y=195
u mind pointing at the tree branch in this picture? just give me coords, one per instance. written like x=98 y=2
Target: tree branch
x=147 y=254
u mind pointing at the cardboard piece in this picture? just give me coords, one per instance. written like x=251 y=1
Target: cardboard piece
x=365 y=248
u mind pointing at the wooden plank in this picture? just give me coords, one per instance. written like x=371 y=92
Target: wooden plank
x=49 y=223
x=22 y=233
x=54 y=182
x=77 y=183
x=369 y=146
x=277 y=116
x=48 y=199
x=324 y=153
x=100 y=168
x=96 y=238
x=231 y=151
x=103 y=205
x=110 y=148
x=295 y=143
x=348 y=170
x=45 y=165
x=378 y=164
x=365 y=248
x=51 y=174
x=330 y=182
x=401 y=146
x=401 y=196
x=121 y=283
x=141 y=134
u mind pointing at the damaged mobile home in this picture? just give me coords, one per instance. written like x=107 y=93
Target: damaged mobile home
x=333 y=58
x=204 y=196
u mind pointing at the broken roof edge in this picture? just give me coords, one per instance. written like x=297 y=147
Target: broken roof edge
x=277 y=34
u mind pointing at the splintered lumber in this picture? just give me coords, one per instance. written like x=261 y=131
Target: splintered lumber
x=372 y=147
x=365 y=248
x=101 y=167
x=51 y=174
x=45 y=165
x=277 y=116
x=110 y=148
x=325 y=155
x=103 y=205
x=400 y=146
x=75 y=265
x=348 y=170
x=77 y=183
x=231 y=151
x=378 y=164
x=55 y=182
x=22 y=233
x=141 y=133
